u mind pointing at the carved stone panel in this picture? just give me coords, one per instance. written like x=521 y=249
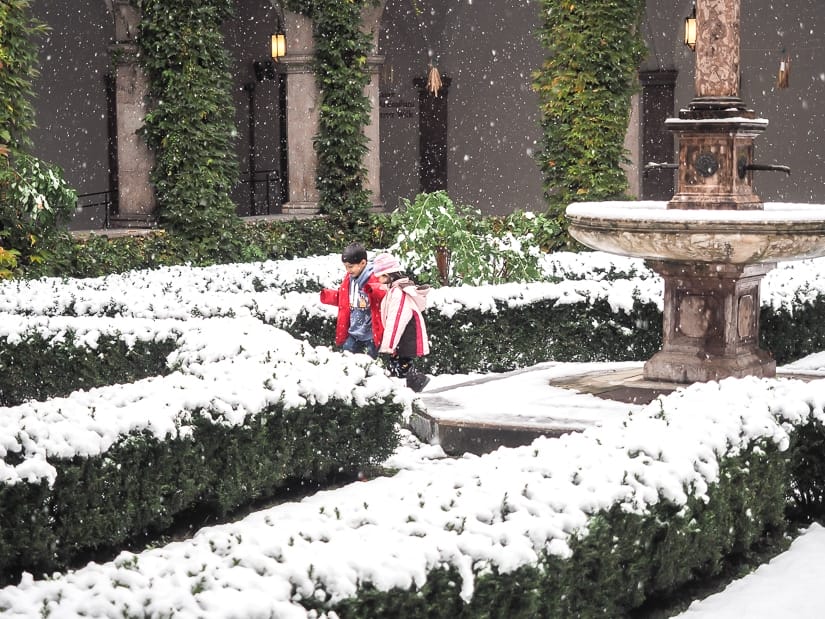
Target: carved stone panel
x=746 y=317
x=695 y=314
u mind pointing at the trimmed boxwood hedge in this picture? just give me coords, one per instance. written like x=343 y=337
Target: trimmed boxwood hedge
x=513 y=337
x=140 y=484
x=626 y=558
x=468 y=341
x=623 y=560
x=37 y=368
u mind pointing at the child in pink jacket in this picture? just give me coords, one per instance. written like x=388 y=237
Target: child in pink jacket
x=405 y=332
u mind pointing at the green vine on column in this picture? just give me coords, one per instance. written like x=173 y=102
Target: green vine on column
x=585 y=87
x=342 y=74
x=190 y=126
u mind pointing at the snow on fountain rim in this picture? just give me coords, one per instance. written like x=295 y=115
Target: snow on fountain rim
x=656 y=210
x=717 y=120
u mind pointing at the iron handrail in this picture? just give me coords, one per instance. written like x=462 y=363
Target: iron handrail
x=107 y=202
x=272 y=181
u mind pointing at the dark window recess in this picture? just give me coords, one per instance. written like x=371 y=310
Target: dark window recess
x=657 y=142
x=432 y=135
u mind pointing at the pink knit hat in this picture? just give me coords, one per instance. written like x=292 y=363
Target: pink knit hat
x=385 y=263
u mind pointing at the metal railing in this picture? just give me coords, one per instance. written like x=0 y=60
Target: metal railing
x=265 y=192
x=102 y=201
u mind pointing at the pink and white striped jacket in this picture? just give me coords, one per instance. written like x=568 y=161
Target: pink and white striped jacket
x=403 y=303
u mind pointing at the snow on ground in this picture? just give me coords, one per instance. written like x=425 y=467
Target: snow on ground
x=388 y=530
x=391 y=529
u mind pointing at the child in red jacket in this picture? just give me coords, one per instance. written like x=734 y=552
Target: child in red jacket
x=359 y=327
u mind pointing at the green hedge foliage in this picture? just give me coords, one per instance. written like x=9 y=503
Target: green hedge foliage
x=628 y=559
x=38 y=368
x=513 y=337
x=141 y=484
x=624 y=560
x=279 y=239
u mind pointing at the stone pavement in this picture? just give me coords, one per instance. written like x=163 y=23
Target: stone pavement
x=478 y=414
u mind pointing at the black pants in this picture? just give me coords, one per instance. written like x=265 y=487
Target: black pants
x=399 y=366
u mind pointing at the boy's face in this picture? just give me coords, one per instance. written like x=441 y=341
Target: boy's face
x=384 y=279
x=354 y=268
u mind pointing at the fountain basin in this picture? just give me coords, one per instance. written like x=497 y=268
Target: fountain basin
x=648 y=229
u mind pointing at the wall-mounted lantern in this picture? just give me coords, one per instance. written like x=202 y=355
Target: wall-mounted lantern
x=278 y=45
x=783 y=79
x=690 y=29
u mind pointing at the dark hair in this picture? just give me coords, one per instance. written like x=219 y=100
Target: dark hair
x=395 y=276
x=353 y=253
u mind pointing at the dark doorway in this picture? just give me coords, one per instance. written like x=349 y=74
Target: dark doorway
x=263 y=181
x=259 y=93
x=432 y=135
x=658 y=183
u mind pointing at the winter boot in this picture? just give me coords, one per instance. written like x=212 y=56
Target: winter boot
x=417 y=381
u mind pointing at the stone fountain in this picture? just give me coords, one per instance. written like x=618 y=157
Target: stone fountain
x=715 y=240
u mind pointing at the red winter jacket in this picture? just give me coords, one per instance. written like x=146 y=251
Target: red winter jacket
x=375 y=292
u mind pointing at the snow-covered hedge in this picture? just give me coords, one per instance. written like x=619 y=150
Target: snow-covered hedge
x=246 y=408
x=586 y=525
x=593 y=307
x=43 y=357
x=250 y=289
x=653 y=499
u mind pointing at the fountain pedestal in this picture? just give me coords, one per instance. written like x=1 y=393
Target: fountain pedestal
x=714 y=155
x=711 y=323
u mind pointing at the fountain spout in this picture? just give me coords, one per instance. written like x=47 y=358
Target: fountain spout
x=652 y=165
x=743 y=167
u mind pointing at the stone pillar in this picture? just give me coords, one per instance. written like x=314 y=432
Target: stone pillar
x=302 y=112
x=370 y=23
x=717 y=48
x=135 y=195
x=302 y=102
x=716 y=131
x=372 y=160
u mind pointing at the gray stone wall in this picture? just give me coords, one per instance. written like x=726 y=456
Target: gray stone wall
x=70 y=94
x=488 y=48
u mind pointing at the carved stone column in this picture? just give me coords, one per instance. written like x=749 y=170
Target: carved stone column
x=717 y=48
x=372 y=160
x=302 y=112
x=716 y=131
x=135 y=195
